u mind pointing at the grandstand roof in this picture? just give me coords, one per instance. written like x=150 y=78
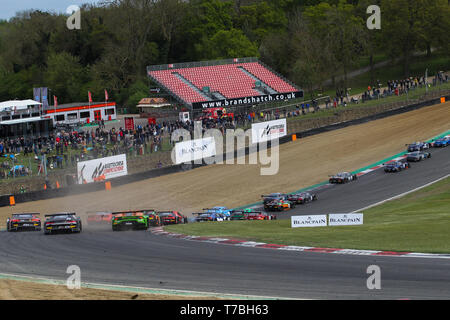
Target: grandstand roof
x=196 y=82
x=18 y=104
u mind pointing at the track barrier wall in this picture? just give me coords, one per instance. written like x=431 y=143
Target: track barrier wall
x=5 y=200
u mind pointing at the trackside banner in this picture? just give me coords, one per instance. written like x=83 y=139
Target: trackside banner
x=345 y=219
x=102 y=169
x=192 y=150
x=269 y=130
x=247 y=100
x=309 y=221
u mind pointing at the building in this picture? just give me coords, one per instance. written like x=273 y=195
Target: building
x=72 y=113
x=28 y=117
x=23 y=118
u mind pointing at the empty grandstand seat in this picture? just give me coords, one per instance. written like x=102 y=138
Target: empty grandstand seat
x=236 y=80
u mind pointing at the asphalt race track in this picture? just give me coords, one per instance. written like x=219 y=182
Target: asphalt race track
x=148 y=260
x=374 y=187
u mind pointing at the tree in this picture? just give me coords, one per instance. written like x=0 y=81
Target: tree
x=65 y=76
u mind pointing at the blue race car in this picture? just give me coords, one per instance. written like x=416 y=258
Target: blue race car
x=442 y=142
x=222 y=210
x=418 y=146
x=396 y=166
x=211 y=216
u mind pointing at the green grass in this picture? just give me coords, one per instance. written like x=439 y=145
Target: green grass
x=418 y=222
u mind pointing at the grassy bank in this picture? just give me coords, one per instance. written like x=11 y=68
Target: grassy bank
x=418 y=222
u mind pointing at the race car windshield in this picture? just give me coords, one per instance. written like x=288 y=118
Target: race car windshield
x=23 y=216
x=61 y=217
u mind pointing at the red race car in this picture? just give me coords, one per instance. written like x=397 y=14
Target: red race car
x=254 y=215
x=99 y=217
x=171 y=217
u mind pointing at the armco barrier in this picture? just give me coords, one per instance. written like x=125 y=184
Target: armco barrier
x=97 y=186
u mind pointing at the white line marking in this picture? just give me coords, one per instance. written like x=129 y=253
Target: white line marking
x=402 y=194
x=142 y=289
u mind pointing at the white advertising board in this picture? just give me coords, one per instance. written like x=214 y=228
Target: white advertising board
x=345 y=219
x=192 y=150
x=269 y=130
x=102 y=169
x=309 y=221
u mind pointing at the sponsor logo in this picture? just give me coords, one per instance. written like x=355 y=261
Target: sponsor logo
x=345 y=219
x=248 y=100
x=309 y=221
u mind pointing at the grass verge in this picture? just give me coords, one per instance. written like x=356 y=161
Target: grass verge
x=418 y=222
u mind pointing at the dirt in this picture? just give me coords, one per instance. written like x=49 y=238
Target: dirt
x=24 y=290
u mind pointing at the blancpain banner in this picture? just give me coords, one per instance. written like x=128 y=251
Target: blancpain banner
x=345 y=219
x=309 y=221
x=192 y=150
x=102 y=169
x=269 y=130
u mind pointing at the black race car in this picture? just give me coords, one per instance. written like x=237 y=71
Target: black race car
x=279 y=205
x=24 y=221
x=301 y=198
x=396 y=166
x=343 y=177
x=273 y=196
x=62 y=222
x=417 y=156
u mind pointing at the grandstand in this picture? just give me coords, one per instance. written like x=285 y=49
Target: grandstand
x=219 y=83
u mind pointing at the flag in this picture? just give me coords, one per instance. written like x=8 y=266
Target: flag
x=106 y=95
x=90 y=96
x=55 y=101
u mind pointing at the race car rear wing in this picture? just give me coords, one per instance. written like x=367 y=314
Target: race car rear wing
x=131 y=211
x=246 y=212
x=61 y=214
x=199 y=213
x=33 y=213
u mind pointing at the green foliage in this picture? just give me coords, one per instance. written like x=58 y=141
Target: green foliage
x=309 y=41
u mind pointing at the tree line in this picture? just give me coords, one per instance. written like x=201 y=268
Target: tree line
x=308 y=41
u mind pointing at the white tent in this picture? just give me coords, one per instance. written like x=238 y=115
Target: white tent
x=17 y=104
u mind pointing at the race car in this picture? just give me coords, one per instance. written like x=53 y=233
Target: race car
x=343 y=177
x=260 y=216
x=23 y=221
x=99 y=218
x=442 y=142
x=396 y=166
x=418 y=146
x=62 y=222
x=211 y=216
x=126 y=220
x=279 y=205
x=301 y=198
x=417 y=156
x=273 y=196
x=171 y=217
x=153 y=218
x=223 y=210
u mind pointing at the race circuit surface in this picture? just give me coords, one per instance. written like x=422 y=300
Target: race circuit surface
x=373 y=187
x=148 y=260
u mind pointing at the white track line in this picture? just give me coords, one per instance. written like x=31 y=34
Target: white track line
x=402 y=194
